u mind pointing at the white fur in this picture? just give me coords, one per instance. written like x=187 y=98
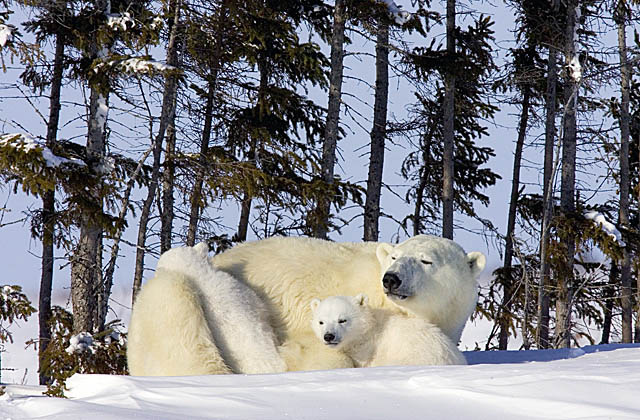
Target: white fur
x=377 y=337
x=194 y=319
x=288 y=273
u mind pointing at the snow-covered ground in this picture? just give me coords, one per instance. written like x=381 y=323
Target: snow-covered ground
x=595 y=382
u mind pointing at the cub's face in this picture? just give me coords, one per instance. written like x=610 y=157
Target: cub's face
x=338 y=321
x=428 y=272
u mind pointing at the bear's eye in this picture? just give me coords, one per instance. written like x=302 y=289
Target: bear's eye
x=321 y=323
x=342 y=321
x=393 y=258
x=426 y=262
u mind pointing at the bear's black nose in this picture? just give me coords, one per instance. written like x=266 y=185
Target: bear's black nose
x=391 y=281
x=328 y=337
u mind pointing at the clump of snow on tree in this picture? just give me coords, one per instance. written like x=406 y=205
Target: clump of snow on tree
x=575 y=69
x=608 y=227
x=26 y=143
x=6 y=34
x=400 y=16
x=138 y=65
x=80 y=343
x=157 y=23
x=119 y=21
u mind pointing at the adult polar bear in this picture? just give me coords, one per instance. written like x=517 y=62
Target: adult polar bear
x=425 y=276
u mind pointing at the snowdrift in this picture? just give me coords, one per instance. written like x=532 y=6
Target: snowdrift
x=594 y=382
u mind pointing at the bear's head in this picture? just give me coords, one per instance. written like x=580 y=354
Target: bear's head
x=186 y=260
x=340 y=321
x=432 y=278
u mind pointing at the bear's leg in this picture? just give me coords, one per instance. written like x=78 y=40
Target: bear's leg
x=168 y=333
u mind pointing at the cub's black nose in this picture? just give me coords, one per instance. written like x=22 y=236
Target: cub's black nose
x=391 y=281
x=328 y=337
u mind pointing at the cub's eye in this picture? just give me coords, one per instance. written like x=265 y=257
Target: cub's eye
x=426 y=262
x=393 y=258
x=342 y=321
x=321 y=323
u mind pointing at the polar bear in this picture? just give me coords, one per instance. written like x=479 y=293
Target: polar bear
x=425 y=277
x=371 y=337
x=193 y=319
x=428 y=277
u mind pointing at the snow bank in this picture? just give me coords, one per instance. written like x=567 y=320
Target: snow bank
x=594 y=383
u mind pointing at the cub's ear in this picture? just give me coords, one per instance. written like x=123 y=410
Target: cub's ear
x=383 y=250
x=476 y=261
x=314 y=304
x=202 y=248
x=361 y=299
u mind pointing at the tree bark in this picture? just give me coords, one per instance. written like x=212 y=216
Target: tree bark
x=168 y=183
x=48 y=213
x=508 y=286
x=449 y=127
x=243 y=223
x=333 y=117
x=623 y=216
x=568 y=181
x=378 y=134
x=608 y=295
x=196 y=195
x=166 y=116
x=542 y=332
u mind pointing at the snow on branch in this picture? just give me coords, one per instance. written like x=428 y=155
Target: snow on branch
x=80 y=343
x=400 y=16
x=6 y=34
x=119 y=21
x=133 y=65
x=608 y=227
x=25 y=143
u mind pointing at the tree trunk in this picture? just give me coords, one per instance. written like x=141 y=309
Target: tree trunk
x=568 y=187
x=168 y=182
x=508 y=286
x=378 y=134
x=48 y=212
x=243 y=224
x=449 y=127
x=625 y=267
x=609 y=295
x=542 y=332
x=196 y=195
x=85 y=263
x=167 y=115
x=333 y=116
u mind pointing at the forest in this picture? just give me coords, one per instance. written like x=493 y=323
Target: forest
x=145 y=125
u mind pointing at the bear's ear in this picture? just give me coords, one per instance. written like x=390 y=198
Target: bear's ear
x=383 y=250
x=361 y=299
x=202 y=248
x=476 y=261
x=314 y=304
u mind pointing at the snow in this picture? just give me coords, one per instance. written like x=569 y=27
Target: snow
x=80 y=343
x=575 y=69
x=139 y=65
x=400 y=16
x=594 y=382
x=6 y=34
x=608 y=227
x=26 y=143
x=119 y=21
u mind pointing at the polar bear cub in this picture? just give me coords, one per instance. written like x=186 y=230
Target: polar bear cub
x=370 y=336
